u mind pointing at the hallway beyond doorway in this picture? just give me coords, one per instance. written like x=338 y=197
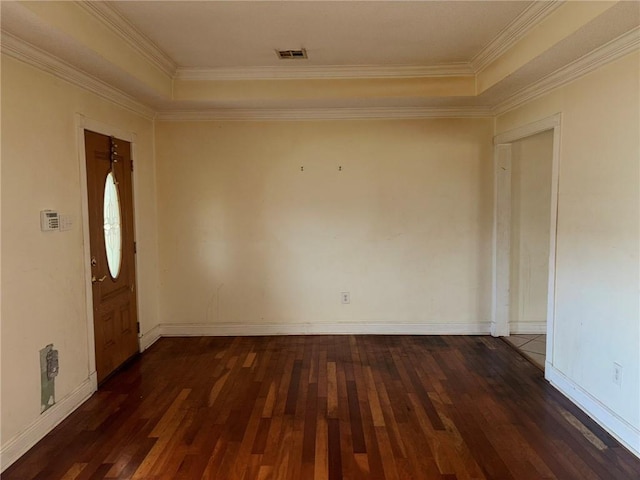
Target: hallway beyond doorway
x=533 y=347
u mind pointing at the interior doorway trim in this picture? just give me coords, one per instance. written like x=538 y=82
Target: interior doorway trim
x=500 y=308
x=82 y=124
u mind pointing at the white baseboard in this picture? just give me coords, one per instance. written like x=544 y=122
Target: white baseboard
x=93 y=380
x=233 y=329
x=531 y=328
x=149 y=338
x=17 y=446
x=619 y=428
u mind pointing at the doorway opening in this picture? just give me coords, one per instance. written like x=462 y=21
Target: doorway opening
x=531 y=160
x=526 y=165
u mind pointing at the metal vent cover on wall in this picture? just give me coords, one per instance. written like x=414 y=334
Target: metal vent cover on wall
x=292 y=54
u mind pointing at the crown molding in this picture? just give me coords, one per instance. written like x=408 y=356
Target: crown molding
x=242 y=114
x=23 y=51
x=620 y=46
x=119 y=24
x=513 y=32
x=35 y=57
x=322 y=72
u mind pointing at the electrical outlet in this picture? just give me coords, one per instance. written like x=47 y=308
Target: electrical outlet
x=345 y=297
x=48 y=370
x=617 y=374
x=53 y=365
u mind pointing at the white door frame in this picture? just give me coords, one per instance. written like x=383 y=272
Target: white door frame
x=82 y=124
x=500 y=308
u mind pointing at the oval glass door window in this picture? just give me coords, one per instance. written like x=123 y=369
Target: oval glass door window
x=112 y=230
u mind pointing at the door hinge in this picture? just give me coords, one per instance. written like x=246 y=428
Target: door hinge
x=132 y=165
x=138 y=326
x=135 y=247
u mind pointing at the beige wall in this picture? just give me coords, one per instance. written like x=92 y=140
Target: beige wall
x=405 y=227
x=246 y=238
x=43 y=274
x=531 y=160
x=597 y=318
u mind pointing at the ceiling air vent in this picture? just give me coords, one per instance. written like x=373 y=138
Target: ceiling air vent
x=292 y=54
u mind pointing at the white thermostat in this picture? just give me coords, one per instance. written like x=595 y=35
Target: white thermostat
x=49 y=220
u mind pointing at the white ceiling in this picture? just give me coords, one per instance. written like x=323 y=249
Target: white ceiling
x=235 y=40
x=246 y=33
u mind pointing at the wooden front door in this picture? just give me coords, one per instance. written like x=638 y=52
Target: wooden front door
x=110 y=195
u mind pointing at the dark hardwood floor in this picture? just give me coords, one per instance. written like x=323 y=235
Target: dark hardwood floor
x=328 y=407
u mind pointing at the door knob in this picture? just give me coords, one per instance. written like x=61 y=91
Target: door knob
x=94 y=279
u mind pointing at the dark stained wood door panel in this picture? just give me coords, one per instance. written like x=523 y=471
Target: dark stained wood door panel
x=114 y=296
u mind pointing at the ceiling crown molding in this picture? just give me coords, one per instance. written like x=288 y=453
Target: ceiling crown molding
x=33 y=56
x=617 y=48
x=119 y=24
x=513 y=32
x=324 y=114
x=322 y=72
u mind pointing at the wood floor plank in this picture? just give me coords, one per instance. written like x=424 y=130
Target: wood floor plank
x=74 y=471
x=310 y=425
x=333 y=449
x=328 y=407
x=374 y=399
x=294 y=385
x=355 y=419
x=321 y=463
x=386 y=454
x=332 y=390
